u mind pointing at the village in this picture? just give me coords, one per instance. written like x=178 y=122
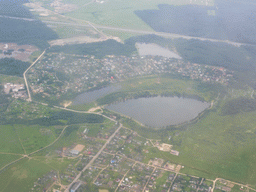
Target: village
x=122 y=166
x=56 y=74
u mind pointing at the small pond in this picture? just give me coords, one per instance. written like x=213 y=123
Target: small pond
x=155 y=50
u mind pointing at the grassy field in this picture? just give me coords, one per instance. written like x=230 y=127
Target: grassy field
x=6 y=159
x=122 y=35
x=160 y=84
x=77 y=2
x=9 y=141
x=198 y=173
x=34 y=137
x=10 y=79
x=214 y=146
x=22 y=175
x=222 y=145
x=74 y=136
x=82 y=107
x=117 y=12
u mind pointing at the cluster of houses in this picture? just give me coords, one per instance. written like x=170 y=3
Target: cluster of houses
x=16 y=90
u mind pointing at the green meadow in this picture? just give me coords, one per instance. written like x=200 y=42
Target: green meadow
x=34 y=137
x=115 y=12
x=21 y=175
x=9 y=140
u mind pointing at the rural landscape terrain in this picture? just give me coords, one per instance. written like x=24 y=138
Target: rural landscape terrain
x=116 y=95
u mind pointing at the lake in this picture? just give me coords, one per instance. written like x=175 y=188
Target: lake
x=91 y=96
x=155 y=50
x=160 y=111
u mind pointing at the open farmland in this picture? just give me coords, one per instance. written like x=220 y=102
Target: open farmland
x=116 y=12
x=21 y=175
x=9 y=142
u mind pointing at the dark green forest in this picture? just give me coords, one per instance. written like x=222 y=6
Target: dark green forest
x=232 y=20
x=10 y=66
x=22 y=31
x=99 y=49
x=239 y=105
x=60 y=118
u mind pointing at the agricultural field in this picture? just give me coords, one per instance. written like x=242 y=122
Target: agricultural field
x=99 y=13
x=7 y=158
x=22 y=175
x=9 y=141
x=222 y=146
x=34 y=137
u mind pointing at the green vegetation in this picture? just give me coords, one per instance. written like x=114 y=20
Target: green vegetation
x=60 y=118
x=73 y=31
x=83 y=107
x=216 y=54
x=99 y=49
x=9 y=140
x=239 y=105
x=35 y=55
x=22 y=175
x=122 y=35
x=4 y=100
x=30 y=32
x=215 y=146
x=13 y=67
x=70 y=129
x=165 y=85
x=221 y=145
x=33 y=138
x=198 y=173
x=7 y=78
x=120 y=10
x=6 y=159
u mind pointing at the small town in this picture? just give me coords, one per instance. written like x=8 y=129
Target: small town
x=56 y=74
x=120 y=167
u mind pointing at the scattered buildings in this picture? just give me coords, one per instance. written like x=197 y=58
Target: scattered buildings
x=19 y=52
x=75 y=187
x=55 y=74
x=16 y=90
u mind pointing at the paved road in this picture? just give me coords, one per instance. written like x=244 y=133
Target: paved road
x=93 y=159
x=167 y=35
x=96 y=27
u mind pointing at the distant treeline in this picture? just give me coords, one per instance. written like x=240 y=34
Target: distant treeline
x=22 y=31
x=217 y=54
x=240 y=59
x=239 y=105
x=10 y=66
x=205 y=52
x=231 y=20
x=122 y=96
x=98 y=49
x=60 y=118
x=4 y=100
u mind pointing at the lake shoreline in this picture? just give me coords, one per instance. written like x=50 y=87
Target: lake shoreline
x=160 y=111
